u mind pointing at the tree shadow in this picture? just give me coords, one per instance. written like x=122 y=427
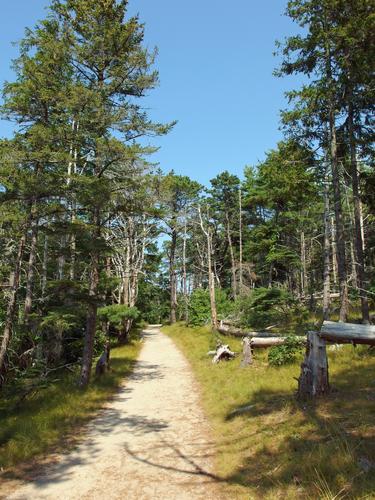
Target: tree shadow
x=326 y=447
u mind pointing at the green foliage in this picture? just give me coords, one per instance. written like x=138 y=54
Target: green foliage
x=116 y=314
x=269 y=306
x=286 y=353
x=199 y=306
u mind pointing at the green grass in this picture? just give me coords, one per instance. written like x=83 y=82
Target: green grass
x=46 y=420
x=279 y=448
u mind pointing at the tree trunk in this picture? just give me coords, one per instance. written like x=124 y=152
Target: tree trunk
x=232 y=259
x=211 y=282
x=88 y=348
x=172 y=278
x=304 y=267
x=326 y=250
x=44 y=266
x=334 y=252
x=184 y=275
x=360 y=258
x=247 y=358
x=31 y=268
x=313 y=381
x=240 y=228
x=341 y=254
x=11 y=309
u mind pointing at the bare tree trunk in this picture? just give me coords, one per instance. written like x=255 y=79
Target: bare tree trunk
x=334 y=252
x=172 y=278
x=31 y=267
x=211 y=277
x=11 y=309
x=232 y=259
x=88 y=348
x=341 y=254
x=359 y=244
x=45 y=266
x=240 y=229
x=304 y=267
x=184 y=274
x=326 y=250
x=211 y=282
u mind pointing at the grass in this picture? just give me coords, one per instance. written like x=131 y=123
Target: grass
x=279 y=448
x=44 y=421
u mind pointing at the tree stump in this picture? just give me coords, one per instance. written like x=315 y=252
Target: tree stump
x=247 y=358
x=223 y=353
x=313 y=381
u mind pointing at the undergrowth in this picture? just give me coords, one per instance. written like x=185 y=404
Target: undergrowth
x=276 y=448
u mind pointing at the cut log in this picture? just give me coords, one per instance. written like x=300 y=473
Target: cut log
x=347 y=333
x=313 y=381
x=247 y=358
x=223 y=353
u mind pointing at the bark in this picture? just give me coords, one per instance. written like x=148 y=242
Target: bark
x=334 y=252
x=45 y=266
x=326 y=251
x=173 y=278
x=304 y=267
x=341 y=254
x=184 y=275
x=232 y=259
x=240 y=242
x=348 y=333
x=31 y=268
x=211 y=277
x=313 y=381
x=88 y=348
x=11 y=309
x=247 y=358
x=359 y=244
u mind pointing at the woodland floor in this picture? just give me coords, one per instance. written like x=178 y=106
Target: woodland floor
x=151 y=441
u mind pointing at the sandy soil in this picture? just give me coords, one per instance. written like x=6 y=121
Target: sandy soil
x=151 y=442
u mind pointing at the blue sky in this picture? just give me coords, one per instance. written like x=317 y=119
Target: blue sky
x=215 y=63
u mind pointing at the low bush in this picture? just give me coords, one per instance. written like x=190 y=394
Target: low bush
x=286 y=353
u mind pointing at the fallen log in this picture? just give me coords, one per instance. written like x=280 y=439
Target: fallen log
x=347 y=333
x=267 y=342
x=237 y=332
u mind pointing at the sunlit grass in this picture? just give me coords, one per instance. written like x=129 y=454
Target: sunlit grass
x=45 y=420
x=279 y=448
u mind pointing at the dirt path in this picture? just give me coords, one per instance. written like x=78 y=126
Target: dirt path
x=149 y=443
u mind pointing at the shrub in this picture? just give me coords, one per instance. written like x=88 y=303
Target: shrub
x=200 y=307
x=286 y=353
x=268 y=306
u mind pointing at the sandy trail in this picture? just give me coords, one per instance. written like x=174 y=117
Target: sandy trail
x=151 y=442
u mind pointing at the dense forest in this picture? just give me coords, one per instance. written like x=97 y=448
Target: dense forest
x=95 y=239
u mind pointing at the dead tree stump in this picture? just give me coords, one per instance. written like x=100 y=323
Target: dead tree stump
x=247 y=357
x=313 y=381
